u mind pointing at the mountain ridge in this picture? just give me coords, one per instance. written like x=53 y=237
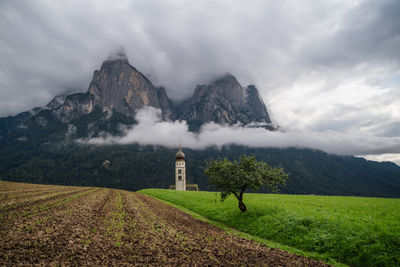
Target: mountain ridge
x=119 y=86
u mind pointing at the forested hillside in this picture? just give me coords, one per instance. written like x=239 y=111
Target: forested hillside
x=134 y=167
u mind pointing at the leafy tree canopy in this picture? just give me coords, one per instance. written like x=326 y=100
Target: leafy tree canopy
x=234 y=177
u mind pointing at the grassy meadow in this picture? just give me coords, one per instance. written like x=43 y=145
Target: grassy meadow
x=357 y=231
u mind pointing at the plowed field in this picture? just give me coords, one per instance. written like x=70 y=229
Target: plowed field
x=59 y=225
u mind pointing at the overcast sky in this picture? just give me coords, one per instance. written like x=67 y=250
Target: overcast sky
x=321 y=66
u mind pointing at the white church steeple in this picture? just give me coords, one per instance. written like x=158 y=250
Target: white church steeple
x=180 y=170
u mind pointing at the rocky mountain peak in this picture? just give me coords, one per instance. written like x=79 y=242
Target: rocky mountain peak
x=230 y=87
x=115 y=86
x=225 y=101
x=119 y=86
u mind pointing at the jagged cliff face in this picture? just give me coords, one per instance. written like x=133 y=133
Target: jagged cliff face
x=255 y=106
x=57 y=101
x=119 y=86
x=225 y=101
x=168 y=110
x=75 y=105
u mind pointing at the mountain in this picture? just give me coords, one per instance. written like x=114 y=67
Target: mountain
x=225 y=101
x=40 y=145
x=119 y=86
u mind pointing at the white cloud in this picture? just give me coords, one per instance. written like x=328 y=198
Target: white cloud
x=384 y=157
x=151 y=130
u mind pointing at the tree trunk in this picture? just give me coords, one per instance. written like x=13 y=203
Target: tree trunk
x=242 y=206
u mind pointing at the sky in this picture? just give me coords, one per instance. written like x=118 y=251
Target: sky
x=327 y=70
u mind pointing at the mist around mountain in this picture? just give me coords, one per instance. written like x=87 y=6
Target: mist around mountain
x=66 y=141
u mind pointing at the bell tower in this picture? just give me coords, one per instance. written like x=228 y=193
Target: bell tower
x=180 y=170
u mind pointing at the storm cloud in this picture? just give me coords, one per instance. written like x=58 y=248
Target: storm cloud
x=321 y=66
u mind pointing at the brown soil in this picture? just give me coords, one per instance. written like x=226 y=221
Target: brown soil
x=26 y=200
x=114 y=227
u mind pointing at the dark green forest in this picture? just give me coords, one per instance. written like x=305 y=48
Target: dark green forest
x=135 y=167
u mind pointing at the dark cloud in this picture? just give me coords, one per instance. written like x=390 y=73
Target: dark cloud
x=368 y=32
x=50 y=46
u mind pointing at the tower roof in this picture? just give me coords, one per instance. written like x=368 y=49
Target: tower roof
x=180 y=154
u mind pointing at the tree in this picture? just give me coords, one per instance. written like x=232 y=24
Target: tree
x=237 y=176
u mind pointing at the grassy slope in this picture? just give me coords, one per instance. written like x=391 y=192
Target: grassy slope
x=353 y=230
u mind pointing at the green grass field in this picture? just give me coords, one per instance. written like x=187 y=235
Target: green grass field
x=357 y=231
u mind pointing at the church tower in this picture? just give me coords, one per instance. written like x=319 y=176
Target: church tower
x=180 y=170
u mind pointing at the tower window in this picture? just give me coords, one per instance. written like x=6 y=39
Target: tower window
x=179 y=177
x=179 y=171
